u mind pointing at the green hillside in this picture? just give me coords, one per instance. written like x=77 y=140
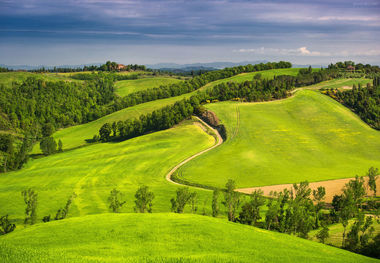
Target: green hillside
x=161 y=238
x=92 y=172
x=7 y=78
x=307 y=137
x=125 y=87
x=76 y=136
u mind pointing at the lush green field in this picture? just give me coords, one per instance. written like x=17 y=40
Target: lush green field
x=125 y=87
x=161 y=238
x=76 y=136
x=339 y=83
x=307 y=137
x=92 y=172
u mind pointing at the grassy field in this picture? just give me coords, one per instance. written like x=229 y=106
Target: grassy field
x=125 y=87
x=161 y=238
x=339 y=83
x=307 y=137
x=92 y=172
x=76 y=136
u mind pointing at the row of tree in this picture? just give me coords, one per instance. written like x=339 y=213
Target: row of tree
x=193 y=84
x=367 y=68
x=255 y=90
x=363 y=101
x=108 y=66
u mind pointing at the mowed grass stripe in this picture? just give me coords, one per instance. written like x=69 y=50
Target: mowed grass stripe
x=307 y=137
x=162 y=238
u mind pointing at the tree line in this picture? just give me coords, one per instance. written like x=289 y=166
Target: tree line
x=108 y=66
x=364 y=101
x=176 y=89
x=255 y=90
x=294 y=211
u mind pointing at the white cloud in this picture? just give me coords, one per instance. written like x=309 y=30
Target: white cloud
x=302 y=51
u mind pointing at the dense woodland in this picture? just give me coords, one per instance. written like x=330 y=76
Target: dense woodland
x=364 y=101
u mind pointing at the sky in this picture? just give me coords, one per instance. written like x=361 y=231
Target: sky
x=69 y=32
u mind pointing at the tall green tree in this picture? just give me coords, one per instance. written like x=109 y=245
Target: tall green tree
x=231 y=200
x=30 y=199
x=250 y=211
x=182 y=198
x=105 y=132
x=48 y=145
x=144 y=199
x=63 y=212
x=215 y=203
x=318 y=197
x=114 y=200
x=373 y=175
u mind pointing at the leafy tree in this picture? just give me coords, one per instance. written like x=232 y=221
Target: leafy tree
x=193 y=202
x=318 y=197
x=47 y=129
x=215 y=203
x=144 y=199
x=323 y=234
x=373 y=174
x=62 y=212
x=183 y=196
x=231 y=200
x=105 y=132
x=48 y=145
x=360 y=233
x=6 y=146
x=114 y=200
x=60 y=146
x=250 y=211
x=30 y=199
x=5 y=226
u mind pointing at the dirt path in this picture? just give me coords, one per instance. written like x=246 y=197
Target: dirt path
x=219 y=141
x=333 y=187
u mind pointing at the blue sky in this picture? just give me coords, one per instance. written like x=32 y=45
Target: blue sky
x=50 y=32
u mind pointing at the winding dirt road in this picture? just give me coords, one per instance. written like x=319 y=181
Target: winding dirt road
x=219 y=141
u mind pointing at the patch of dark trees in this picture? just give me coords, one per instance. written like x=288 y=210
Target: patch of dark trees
x=176 y=89
x=108 y=66
x=255 y=90
x=364 y=101
x=351 y=66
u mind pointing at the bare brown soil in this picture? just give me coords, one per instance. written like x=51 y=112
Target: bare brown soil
x=333 y=187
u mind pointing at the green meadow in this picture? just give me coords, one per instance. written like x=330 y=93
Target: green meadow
x=161 y=238
x=339 y=83
x=92 y=172
x=125 y=87
x=304 y=137
x=76 y=136
x=7 y=78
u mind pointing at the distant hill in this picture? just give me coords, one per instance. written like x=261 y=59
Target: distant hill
x=216 y=65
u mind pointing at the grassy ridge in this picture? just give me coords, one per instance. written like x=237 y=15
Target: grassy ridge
x=7 y=78
x=76 y=136
x=91 y=172
x=125 y=87
x=339 y=83
x=307 y=137
x=161 y=238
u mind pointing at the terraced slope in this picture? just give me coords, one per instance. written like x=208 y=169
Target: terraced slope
x=92 y=172
x=161 y=238
x=307 y=137
x=125 y=87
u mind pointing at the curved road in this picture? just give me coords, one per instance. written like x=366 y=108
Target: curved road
x=175 y=168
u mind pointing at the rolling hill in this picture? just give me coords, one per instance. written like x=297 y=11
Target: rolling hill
x=304 y=137
x=92 y=172
x=125 y=87
x=161 y=238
